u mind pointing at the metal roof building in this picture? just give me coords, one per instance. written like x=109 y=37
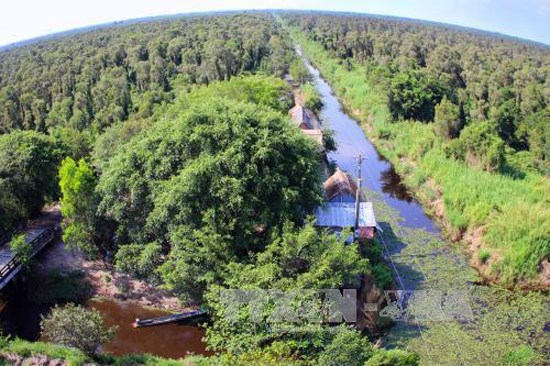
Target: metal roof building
x=342 y=215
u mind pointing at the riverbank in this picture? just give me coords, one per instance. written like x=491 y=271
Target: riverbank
x=464 y=322
x=105 y=281
x=474 y=207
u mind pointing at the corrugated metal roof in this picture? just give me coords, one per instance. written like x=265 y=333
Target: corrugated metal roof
x=342 y=214
x=316 y=135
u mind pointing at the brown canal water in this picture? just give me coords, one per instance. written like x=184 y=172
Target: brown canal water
x=20 y=317
x=169 y=340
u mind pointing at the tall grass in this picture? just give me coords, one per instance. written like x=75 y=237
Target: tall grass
x=74 y=357
x=514 y=212
x=27 y=349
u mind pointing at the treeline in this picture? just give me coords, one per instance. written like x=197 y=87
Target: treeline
x=68 y=91
x=496 y=89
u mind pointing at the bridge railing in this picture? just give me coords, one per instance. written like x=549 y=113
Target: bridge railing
x=36 y=244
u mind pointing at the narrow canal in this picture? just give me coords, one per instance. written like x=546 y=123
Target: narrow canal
x=378 y=173
x=399 y=214
x=422 y=261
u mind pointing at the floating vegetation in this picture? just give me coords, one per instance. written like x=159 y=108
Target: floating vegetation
x=503 y=326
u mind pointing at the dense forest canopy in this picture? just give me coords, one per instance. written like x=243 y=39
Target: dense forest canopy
x=74 y=88
x=169 y=146
x=460 y=77
x=231 y=170
x=92 y=80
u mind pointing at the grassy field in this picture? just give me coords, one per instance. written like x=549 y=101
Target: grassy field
x=506 y=217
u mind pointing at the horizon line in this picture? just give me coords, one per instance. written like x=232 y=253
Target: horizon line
x=103 y=25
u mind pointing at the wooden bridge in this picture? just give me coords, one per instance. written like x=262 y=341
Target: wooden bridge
x=10 y=262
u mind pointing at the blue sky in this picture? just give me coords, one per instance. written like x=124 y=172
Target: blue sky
x=24 y=19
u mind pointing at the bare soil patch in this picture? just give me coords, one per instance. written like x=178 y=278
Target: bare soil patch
x=105 y=280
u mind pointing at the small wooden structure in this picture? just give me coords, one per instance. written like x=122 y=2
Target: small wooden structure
x=340 y=187
x=10 y=262
x=308 y=122
x=345 y=207
x=172 y=318
x=304 y=118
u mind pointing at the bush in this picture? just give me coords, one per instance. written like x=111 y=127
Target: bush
x=22 y=250
x=312 y=98
x=479 y=146
x=522 y=355
x=383 y=276
x=393 y=357
x=447 y=120
x=299 y=72
x=328 y=140
x=139 y=260
x=348 y=347
x=75 y=326
x=413 y=95
x=484 y=256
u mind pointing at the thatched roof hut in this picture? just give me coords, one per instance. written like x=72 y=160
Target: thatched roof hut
x=304 y=118
x=340 y=187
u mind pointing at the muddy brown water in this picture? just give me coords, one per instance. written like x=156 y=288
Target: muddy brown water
x=169 y=340
x=20 y=317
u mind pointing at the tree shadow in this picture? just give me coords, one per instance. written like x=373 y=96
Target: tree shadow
x=512 y=172
x=406 y=277
x=393 y=185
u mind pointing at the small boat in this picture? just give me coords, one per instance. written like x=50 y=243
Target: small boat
x=172 y=318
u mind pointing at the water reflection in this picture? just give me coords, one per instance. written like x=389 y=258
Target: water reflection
x=393 y=185
x=378 y=173
x=20 y=317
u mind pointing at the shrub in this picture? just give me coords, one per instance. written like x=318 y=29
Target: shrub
x=522 y=355
x=484 y=256
x=479 y=146
x=328 y=140
x=383 y=276
x=299 y=72
x=447 y=120
x=413 y=95
x=22 y=250
x=312 y=98
x=348 y=347
x=393 y=357
x=139 y=260
x=75 y=326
